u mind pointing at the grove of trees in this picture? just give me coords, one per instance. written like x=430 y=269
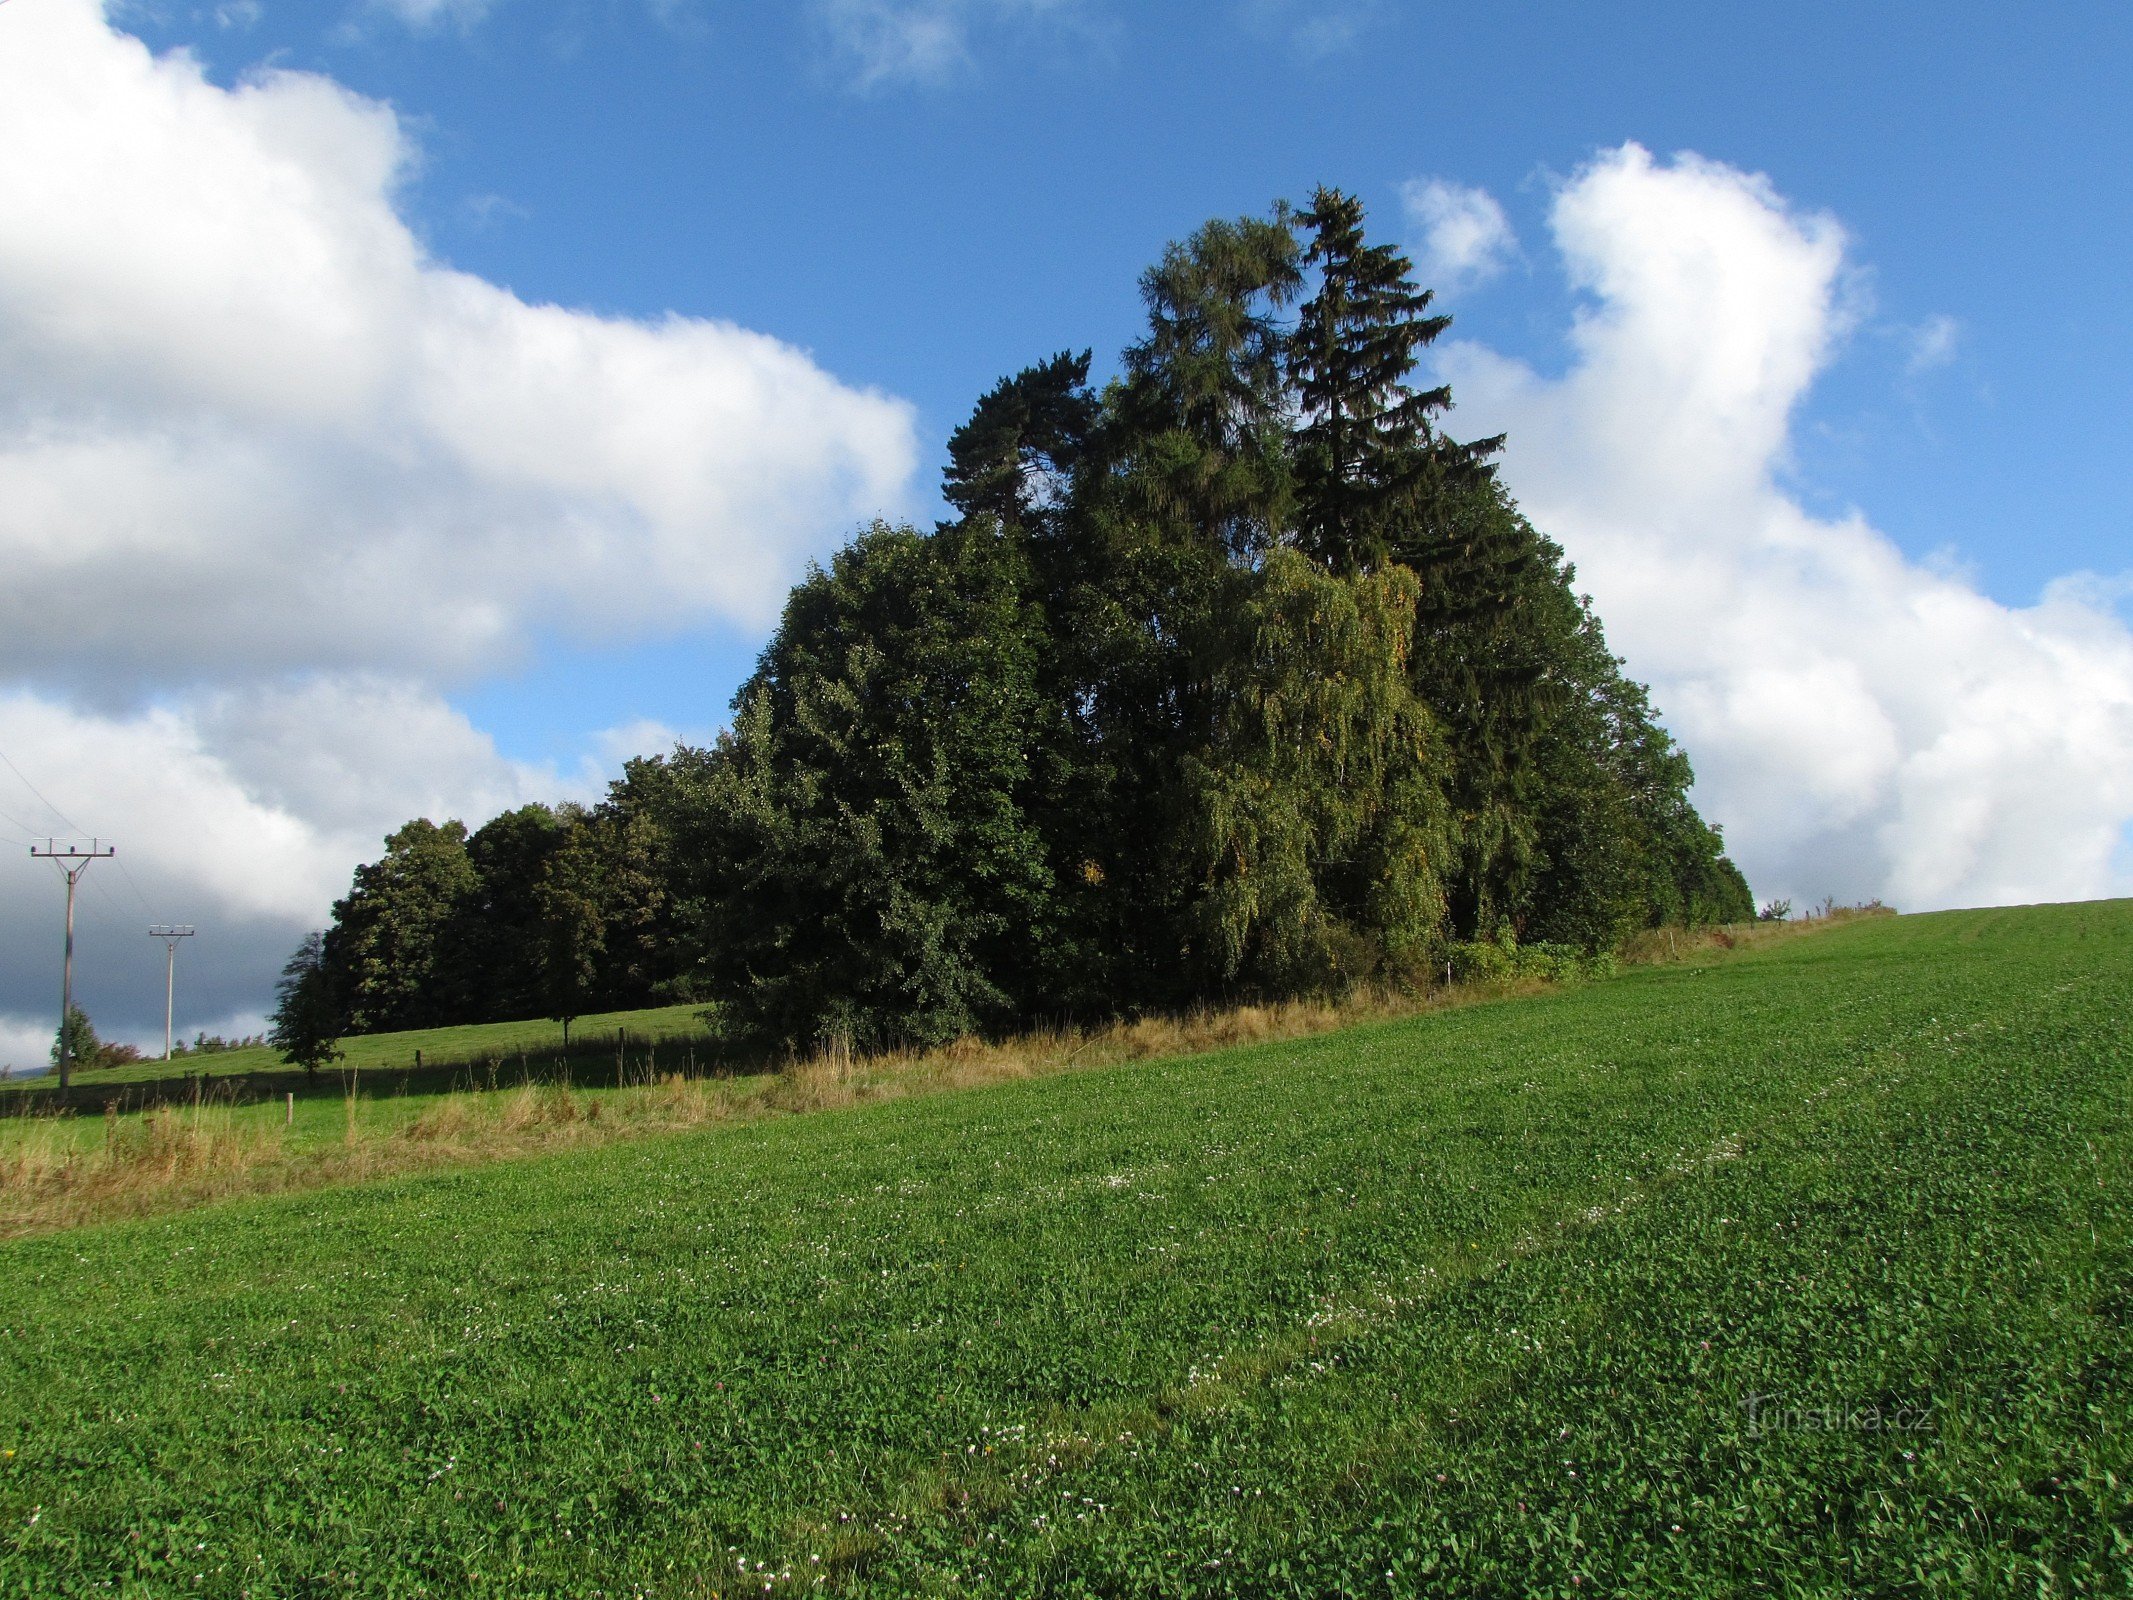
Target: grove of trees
x=1234 y=677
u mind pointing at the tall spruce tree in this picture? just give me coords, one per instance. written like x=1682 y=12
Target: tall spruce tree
x=1369 y=458
x=1199 y=431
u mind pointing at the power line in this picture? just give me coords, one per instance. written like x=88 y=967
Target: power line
x=105 y=895
x=14 y=821
x=10 y=817
x=136 y=888
x=18 y=772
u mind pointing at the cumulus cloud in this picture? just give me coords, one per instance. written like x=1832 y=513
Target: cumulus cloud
x=274 y=480
x=1861 y=723
x=1462 y=237
x=241 y=811
x=234 y=389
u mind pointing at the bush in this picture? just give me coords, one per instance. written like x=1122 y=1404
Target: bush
x=1497 y=960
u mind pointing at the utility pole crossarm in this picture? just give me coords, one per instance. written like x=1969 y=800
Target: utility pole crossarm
x=73 y=861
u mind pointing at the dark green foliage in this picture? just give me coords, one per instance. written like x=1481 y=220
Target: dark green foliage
x=1023 y=442
x=489 y=963
x=543 y=907
x=306 y=1026
x=75 y=1041
x=1371 y=468
x=83 y=1050
x=1239 y=677
x=871 y=876
x=569 y=923
x=387 y=946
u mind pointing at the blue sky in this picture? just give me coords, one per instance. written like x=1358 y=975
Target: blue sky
x=437 y=396
x=925 y=231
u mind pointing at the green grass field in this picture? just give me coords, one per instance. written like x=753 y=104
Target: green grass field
x=1803 y=1272
x=376 y=1052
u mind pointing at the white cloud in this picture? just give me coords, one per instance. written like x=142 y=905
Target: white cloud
x=26 y=1043
x=1932 y=344
x=427 y=14
x=240 y=811
x=1462 y=236
x=233 y=388
x=1316 y=28
x=273 y=479
x=640 y=736
x=1861 y=723
x=881 y=42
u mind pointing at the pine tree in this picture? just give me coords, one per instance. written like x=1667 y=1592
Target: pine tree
x=306 y=1024
x=1023 y=440
x=75 y=1043
x=1198 y=435
x=1369 y=459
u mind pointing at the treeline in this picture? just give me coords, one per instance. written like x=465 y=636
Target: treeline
x=1234 y=677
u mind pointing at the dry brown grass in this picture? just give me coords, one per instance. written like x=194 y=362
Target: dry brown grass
x=51 y=1177
x=1658 y=946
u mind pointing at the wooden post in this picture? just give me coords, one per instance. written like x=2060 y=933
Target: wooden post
x=289 y=1120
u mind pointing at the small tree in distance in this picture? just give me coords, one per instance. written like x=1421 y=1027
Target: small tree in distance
x=77 y=1041
x=306 y=1025
x=572 y=927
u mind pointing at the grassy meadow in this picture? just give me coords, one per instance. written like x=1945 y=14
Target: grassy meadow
x=1803 y=1269
x=471 y=1046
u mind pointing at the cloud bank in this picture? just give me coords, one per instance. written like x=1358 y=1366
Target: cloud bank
x=272 y=479
x=235 y=389
x=1860 y=724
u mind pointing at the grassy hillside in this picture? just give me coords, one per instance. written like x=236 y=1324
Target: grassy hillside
x=373 y=1052
x=1803 y=1272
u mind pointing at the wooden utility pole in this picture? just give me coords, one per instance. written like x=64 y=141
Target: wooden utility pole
x=170 y=938
x=73 y=861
